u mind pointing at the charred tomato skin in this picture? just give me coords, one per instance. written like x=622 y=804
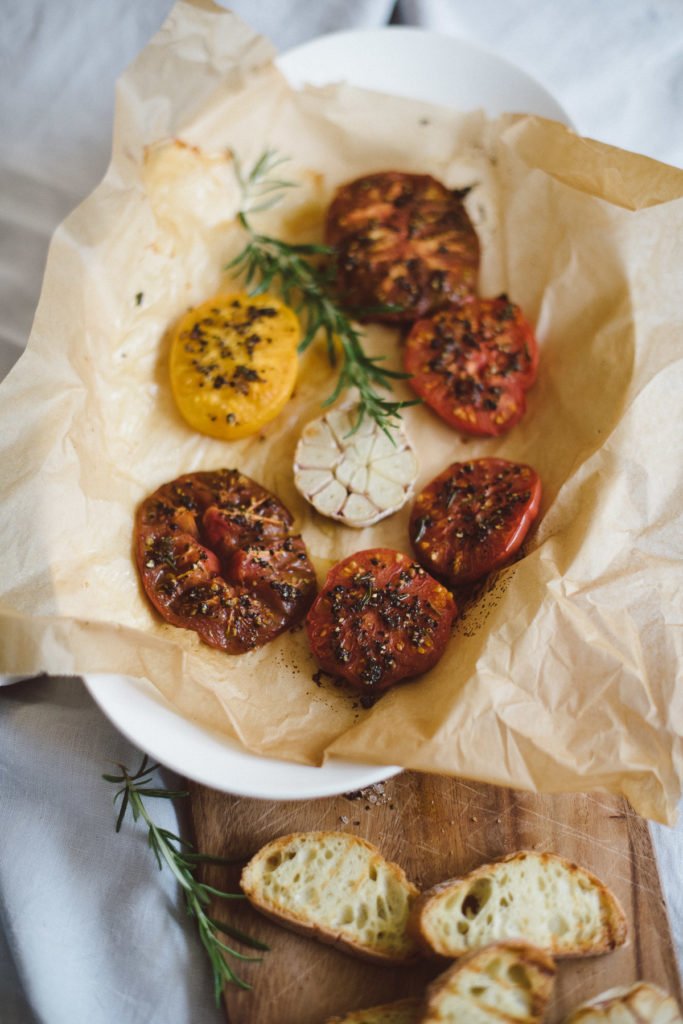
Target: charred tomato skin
x=473 y=364
x=379 y=618
x=217 y=554
x=403 y=241
x=473 y=517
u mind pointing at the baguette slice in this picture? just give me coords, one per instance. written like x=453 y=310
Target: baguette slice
x=641 y=1003
x=505 y=983
x=337 y=888
x=539 y=897
x=405 y=1011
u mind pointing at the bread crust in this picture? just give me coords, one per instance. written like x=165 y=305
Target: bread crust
x=644 y=1001
x=299 y=923
x=527 y=955
x=613 y=918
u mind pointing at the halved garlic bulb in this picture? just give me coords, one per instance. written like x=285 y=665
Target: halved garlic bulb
x=357 y=477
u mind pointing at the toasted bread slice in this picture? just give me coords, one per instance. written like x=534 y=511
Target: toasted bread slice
x=337 y=888
x=405 y=1011
x=538 y=897
x=505 y=983
x=641 y=1003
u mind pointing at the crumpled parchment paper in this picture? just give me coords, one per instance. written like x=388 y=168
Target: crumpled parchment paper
x=565 y=674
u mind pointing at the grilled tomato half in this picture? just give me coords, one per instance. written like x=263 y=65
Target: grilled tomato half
x=473 y=364
x=379 y=618
x=473 y=517
x=234 y=363
x=405 y=246
x=217 y=554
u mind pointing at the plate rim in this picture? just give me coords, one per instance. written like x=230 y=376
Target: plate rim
x=301 y=51
x=360 y=775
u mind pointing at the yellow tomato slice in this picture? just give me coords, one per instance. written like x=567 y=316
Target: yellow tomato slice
x=234 y=363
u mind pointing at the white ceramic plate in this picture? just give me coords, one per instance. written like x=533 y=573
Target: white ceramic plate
x=140 y=712
x=403 y=61
x=423 y=65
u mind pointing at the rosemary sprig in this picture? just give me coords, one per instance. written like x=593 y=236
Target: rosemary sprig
x=179 y=856
x=304 y=276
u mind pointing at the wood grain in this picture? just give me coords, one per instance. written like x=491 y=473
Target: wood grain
x=435 y=828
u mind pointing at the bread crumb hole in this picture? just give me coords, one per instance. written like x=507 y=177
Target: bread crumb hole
x=372 y=873
x=477 y=897
x=477 y=990
x=558 y=924
x=463 y=927
x=328 y=855
x=274 y=861
x=347 y=916
x=518 y=975
x=493 y=968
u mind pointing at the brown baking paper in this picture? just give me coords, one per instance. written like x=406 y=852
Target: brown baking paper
x=565 y=673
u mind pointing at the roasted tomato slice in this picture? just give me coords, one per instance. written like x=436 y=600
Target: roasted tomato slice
x=473 y=364
x=217 y=554
x=403 y=241
x=473 y=517
x=234 y=363
x=379 y=618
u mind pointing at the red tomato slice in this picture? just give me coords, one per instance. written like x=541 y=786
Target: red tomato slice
x=403 y=240
x=216 y=554
x=473 y=517
x=472 y=364
x=379 y=618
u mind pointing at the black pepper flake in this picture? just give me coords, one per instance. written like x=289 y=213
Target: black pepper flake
x=507 y=311
x=138 y=298
x=250 y=343
x=242 y=377
x=257 y=312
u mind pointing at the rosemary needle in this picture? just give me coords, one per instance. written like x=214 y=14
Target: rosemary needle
x=304 y=275
x=179 y=857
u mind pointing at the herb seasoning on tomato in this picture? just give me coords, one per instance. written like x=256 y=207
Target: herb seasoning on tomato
x=216 y=554
x=473 y=517
x=472 y=364
x=405 y=245
x=378 y=619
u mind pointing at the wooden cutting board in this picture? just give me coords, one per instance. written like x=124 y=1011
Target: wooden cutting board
x=435 y=828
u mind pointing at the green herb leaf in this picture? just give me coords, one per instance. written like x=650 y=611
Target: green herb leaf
x=304 y=275
x=177 y=855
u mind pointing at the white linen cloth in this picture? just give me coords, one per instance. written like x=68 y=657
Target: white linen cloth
x=90 y=931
